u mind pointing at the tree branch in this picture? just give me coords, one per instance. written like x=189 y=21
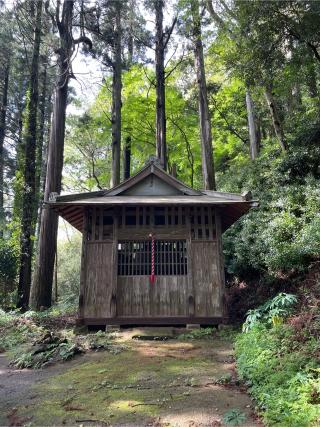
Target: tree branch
x=229 y=126
x=168 y=74
x=188 y=146
x=152 y=82
x=228 y=10
x=83 y=39
x=217 y=19
x=58 y=22
x=168 y=32
x=314 y=50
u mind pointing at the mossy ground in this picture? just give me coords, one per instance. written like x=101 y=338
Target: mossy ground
x=171 y=383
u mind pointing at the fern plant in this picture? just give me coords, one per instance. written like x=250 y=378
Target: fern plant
x=271 y=312
x=234 y=418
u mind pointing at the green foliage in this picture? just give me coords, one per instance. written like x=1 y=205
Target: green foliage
x=69 y=262
x=234 y=417
x=67 y=305
x=283 y=234
x=282 y=374
x=197 y=334
x=228 y=332
x=8 y=272
x=272 y=311
x=16 y=330
x=37 y=339
x=88 y=137
x=39 y=357
x=5 y=318
x=225 y=379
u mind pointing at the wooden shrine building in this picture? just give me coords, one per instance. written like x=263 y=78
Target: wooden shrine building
x=152 y=251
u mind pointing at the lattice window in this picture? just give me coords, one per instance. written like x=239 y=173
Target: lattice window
x=202 y=222
x=155 y=216
x=134 y=258
x=100 y=224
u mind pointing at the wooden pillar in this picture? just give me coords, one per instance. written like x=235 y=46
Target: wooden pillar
x=191 y=294
x=83 y=265
x=220 y=261
x=113 y=300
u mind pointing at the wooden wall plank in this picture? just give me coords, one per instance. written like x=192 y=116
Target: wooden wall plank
x=220 y=261
x=137 y=297
x=101 y=212
x=99 y=279
x=198 y=293
x=206 y=279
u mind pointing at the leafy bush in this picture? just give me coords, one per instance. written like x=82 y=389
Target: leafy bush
x=197 y=334
x=36 y=339
x=234 y=418
x=16 y=330
x=67 y=305
x=271 y=312
x=8 y=273
x=69 y=262
x=283 y=376
x=283 y=234
x=5 y=318
x=45 y=352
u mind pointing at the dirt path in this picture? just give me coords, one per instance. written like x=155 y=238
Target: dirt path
x=153 y=383
x=16 y=385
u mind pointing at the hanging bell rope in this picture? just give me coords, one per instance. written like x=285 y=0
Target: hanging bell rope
x=152 y=276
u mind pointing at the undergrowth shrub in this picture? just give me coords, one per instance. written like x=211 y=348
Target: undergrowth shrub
x=37 y=339
x=8 y=273
x=69 y=261
x=17 y=329
x=272 y=312
x=197 y=334
x=283 y=376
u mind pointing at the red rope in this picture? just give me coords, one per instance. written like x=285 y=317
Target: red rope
x=152 y=276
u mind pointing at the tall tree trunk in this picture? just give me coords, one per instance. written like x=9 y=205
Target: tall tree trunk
x=127 y=158
x=276 y=121
x=3 y=117
x=160 y=87
x=116 y=99
x=28 y=207
x=41 y=132
x=41 y=292
x=254 y=131
x=130 y=41
x=43 y=165
x=205 y=119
